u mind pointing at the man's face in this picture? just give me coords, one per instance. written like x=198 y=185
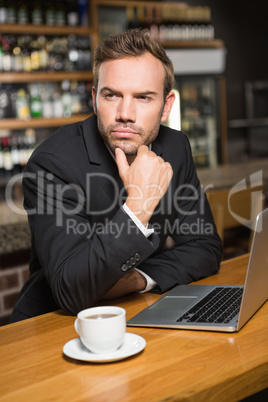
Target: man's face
x=129 y=102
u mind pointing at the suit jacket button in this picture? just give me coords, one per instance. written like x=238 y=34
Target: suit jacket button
x=137 y=257
x=132 y=261
x=124 y=268
x=128 y=264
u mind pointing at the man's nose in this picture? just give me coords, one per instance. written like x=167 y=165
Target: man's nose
x=126 y=110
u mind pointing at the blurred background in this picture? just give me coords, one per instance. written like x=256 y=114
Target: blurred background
x=220 y=56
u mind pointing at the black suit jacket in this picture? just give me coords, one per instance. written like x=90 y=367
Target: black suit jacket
x=82 y=240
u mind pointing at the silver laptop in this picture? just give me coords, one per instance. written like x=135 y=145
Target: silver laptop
x=224 y=308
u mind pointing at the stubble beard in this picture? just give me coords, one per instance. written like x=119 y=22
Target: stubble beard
x=126 y=144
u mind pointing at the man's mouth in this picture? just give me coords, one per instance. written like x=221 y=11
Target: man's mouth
x=124 y=133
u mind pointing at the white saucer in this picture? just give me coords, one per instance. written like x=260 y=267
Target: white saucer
x=132 y=345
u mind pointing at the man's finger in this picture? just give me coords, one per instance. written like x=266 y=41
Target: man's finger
x=142 y=149
x=121 y=161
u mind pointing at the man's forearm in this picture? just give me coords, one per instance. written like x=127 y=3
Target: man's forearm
x=133 y=281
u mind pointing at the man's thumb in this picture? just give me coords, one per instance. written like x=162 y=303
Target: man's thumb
x=121 y=161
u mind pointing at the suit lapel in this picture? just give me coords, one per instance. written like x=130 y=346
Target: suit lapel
x=101 y=162
x=156 y=145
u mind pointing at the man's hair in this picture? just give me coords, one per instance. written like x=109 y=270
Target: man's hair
x=132 y=43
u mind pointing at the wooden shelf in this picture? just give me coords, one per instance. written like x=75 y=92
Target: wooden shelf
x=248 y=123
x=213 y=43
x=16 y=124
x=46 y=76
x=30 y=29
x=216 y=43
x=124 y=3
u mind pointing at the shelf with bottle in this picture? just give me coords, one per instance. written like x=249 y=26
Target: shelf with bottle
x=15 y=150
x=176 y=24
x=38 y=53
x=44 y=104
x=49 y=13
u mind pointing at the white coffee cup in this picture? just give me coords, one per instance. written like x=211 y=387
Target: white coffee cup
x=101 y=329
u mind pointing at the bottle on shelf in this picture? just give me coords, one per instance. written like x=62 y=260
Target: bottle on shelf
x=7 y=55
x=7 y=158
x=22 y=13
x=84 y=54
x=35 y=101
x=57 y=104
x=1 y=54
x=15 y=157
x=8 y=99
x=83 y=13
x=209 y=28
x=3 y=103
x=60 y=15
x=50 y=13
x=76 y=103
x=72 y=13
x=2 y=171
x=11 y=12
x=46 y=92
x=66 y=98
x=58 y=54
x=3 y=12
x=12 y=100
x=26 y=54
x=17 y=55
x=71 y=62
x=22 y=105
x=37 y=13
x=42 y=50
x=35 y=56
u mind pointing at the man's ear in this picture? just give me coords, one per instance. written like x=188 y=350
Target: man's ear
x=168 y=105
x=94 y=99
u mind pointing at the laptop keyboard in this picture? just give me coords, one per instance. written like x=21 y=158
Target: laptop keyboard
x=219 y=306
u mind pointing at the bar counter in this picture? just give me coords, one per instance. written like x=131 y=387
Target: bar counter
x=176 y=365
x=225 y=176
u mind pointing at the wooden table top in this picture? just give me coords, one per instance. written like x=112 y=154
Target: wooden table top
x=176 y=365
x=225 y=176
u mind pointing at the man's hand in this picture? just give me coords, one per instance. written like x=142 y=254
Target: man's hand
x=133 y=281
x=146 y=181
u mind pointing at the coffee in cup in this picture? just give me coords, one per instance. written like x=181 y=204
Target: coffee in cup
x=101 y=329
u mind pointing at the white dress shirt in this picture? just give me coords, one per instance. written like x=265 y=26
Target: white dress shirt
x=150 y=283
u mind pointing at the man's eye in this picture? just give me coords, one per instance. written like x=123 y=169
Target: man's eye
x=109 y=96
x=144 y=98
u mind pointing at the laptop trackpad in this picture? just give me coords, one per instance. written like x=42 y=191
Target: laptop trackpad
x=174 y=302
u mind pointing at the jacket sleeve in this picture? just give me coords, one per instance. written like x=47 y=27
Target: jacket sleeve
x=198 y=248
x=79 y=266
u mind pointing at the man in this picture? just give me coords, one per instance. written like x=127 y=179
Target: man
x=104 y=195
